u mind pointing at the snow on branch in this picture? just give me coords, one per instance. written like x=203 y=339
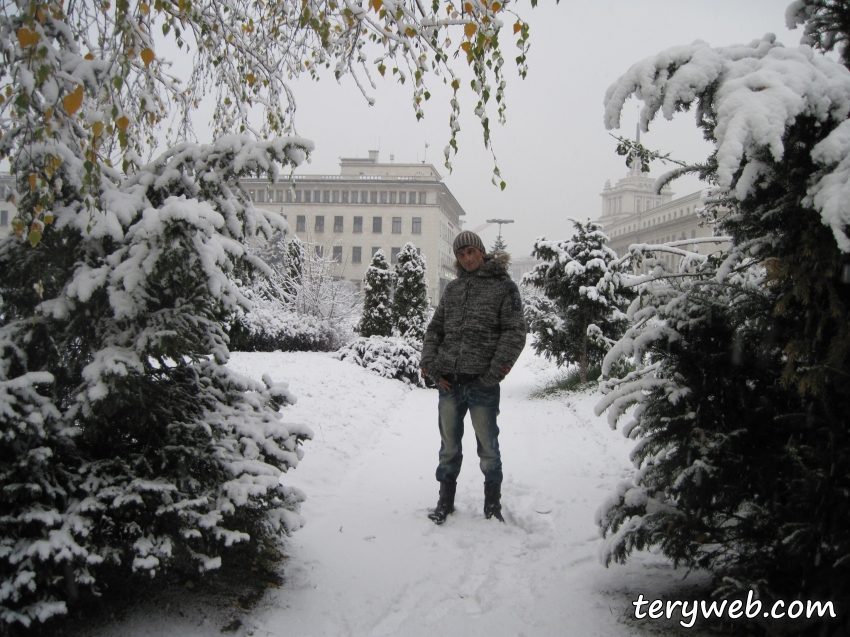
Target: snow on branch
x=749 y=94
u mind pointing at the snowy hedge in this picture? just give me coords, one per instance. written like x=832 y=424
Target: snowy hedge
x=387 y=356
x=268 y=329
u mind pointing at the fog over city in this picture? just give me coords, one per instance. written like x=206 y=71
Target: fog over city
x=553 y=152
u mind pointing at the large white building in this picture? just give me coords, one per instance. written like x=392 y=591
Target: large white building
x=633 y=213
x=367 y=207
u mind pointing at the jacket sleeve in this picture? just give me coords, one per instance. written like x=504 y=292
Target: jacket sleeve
x=434 y=335
x=511 y=339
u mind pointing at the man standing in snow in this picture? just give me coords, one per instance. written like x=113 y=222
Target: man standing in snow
x=475 y=337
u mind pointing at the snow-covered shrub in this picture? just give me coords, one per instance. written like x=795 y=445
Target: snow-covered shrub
x=579 y=280
x=410 y=294
x=270 y=326
x=298 y=305
x=740 y=401
x=387 y=356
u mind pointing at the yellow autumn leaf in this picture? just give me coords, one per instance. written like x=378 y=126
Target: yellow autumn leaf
x=496 y=7
x=147 y=56
x=48 y=219
x=89 y=56
x=376 y=5
x=18 y=227
x=468 y=7
x=73 y=101
x=465 y=46
x=34 y=237
x=48 y=113
x=33 y=181
x=97 y=128
x=251 y=78
x=122 y=122
x=517 y=27
x=144 y=9
x=470 y=29
x=27 y=37
x=410 y=32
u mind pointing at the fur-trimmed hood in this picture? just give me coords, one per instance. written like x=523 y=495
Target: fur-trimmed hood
x=495 y=264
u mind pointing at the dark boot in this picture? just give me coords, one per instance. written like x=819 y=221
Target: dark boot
x=446 y=503
x=492 y=506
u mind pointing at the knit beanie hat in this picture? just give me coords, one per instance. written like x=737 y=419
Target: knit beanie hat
x=467 y=238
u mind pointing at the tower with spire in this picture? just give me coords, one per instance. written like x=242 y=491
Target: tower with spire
x=632 y=194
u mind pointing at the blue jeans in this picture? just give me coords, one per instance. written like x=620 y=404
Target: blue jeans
x=482 y=402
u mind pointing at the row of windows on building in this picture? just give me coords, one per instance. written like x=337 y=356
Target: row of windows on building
x=357 y=226
x=676 y=214
x=4 y=218
x=357 y=253
x=615 y=204
x=296 y=195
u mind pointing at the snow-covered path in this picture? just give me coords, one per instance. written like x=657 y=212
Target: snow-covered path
x=370 y=563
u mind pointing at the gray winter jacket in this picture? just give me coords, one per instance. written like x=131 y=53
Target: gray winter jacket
x=478 y=327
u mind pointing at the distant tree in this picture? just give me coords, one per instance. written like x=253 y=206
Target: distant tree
x=500 y=245
x=410 y=296
x=377 y=302
x=579 y=279
x=293 y=269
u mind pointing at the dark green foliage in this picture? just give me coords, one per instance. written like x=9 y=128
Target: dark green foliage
x=827 y=24
x=377 y=304
x=743 y=410
x=410 y=297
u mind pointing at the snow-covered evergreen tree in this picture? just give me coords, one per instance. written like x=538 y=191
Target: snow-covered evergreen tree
x=580 y=278
x=499 y=245
x=740 y=402
x=410 y=294
x=377 y=300
x=155 y=454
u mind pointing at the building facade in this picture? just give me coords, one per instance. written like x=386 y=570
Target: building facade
x=633 y=213
x=367 y=207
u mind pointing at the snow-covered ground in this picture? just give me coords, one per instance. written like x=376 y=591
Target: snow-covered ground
x=370 y=563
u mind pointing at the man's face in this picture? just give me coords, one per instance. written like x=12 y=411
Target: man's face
x=470 y=258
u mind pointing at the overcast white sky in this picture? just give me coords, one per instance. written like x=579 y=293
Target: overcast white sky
x=554 y=152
